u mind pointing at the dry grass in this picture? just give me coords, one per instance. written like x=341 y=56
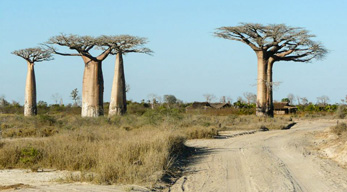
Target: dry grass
x=340 y=129
x=114 y=155
x=128 y=149
x=137 y=149
x=252 y=122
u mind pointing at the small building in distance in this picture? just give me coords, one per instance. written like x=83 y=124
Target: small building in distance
x=206 y=105
x=220 y=105
x=282 y=108
x=199 y=105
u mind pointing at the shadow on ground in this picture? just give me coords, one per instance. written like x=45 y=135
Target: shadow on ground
x=190 y=155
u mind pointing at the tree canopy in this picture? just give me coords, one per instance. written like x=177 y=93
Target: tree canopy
x=106 y=43
x=278 y=41
x=36 y=54
x=81 y=44
x=124 y=44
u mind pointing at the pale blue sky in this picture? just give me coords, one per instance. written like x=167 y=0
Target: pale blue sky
x=188 y=61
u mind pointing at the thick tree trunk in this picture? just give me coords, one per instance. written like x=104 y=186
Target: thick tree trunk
x=30 y=108
x=270 y=105
x=118 y=105
x=261 y=85
x=92 y=89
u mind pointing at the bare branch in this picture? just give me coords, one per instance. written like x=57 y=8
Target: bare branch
x=123 y=43
x=278 y=41
x=81 y=44
x=104 y=54
x=36 y=54
x=239 y=33
x=142 y=50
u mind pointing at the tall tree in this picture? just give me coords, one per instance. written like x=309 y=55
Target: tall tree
x=273 y=43
x=32 y=55
x=291 y=98
x=75 y=97
x=121 y=45
x=323 y=100
x=209 y=97
x=250 y=97
x=93 y=81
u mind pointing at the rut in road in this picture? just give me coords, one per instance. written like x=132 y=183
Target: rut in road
x=265 y=161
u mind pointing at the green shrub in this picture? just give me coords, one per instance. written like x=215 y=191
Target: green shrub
x=47 y=120
x=30 y=156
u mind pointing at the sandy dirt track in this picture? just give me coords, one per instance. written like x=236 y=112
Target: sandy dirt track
x=27 y=181
x=265 y=161
x=281 y=160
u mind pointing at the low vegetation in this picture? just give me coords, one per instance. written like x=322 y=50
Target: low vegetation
x=139 y=147
x=127 y=149
x=135 y=148
x=340 y=129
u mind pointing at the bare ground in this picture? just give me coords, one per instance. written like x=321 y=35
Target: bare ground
x=282 y=160
x=51 y=180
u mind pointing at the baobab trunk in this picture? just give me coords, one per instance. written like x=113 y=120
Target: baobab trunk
x=30 y=108
x=92 y=89
x=261 y=85
x=270 y=105
x=118 y=105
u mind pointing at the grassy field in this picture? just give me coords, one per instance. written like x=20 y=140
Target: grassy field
x=135 y=148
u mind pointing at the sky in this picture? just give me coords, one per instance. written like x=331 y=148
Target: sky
x=188 y=61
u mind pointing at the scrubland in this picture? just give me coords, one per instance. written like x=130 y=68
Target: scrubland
x=134 y=148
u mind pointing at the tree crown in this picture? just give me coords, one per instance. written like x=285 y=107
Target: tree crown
x=281 y=42
x=81 y=44
x=124 y=44
x=36 y=54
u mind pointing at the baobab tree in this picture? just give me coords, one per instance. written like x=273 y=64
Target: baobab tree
x=121 y=45
x=93 y=81
x=32 y=56
x=273 y=43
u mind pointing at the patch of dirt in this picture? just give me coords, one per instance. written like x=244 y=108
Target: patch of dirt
x=26 y=181
x=14 y=186
x=278 y=160
x=330 y=146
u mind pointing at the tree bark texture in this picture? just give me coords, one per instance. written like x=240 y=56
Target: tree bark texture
x=92 y=89
x=118 y=105
x=261 y=85
x=30 y=108
x=270 y=105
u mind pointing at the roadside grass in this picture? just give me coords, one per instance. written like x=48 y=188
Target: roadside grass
x=340 y=129
x=252 y=122
x=131 y=149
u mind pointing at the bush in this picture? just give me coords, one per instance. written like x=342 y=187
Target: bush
x=201 y=132
x=123 y=149
x=30 y=155
x=341 y=111
x=339 y=129
x=47 y=120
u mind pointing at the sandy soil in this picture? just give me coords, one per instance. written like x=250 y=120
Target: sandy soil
x=48 y=180
x=283 y=160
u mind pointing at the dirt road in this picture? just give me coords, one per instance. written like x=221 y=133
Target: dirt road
x=265 y=161
x=276 y=161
